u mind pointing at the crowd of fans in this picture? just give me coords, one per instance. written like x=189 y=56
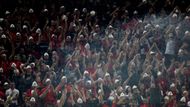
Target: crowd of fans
x=80 y=57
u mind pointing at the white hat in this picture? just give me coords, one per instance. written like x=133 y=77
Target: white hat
x=38 y=30
x=99 y=91
x=157 y=26
x=18 y=33
x=166 y=98
x=75 y=9
x=170 y=93
x=144 y=31
x=1 y=19
x=100 y=79
x=111 y=98
x=48 y=80
x=3 y=36
x=186 y=17
x=84 y=10
x=186 y=32
x=33 y=64
x=89 y=82
x=46 y=54
x=151 y=52
x=31 y=10
x=159 y=73
x=28 y=67
x=110 y=36
x=145 y=75
x=7 y=12
x=24 y=27
x=61 y=7
x=140 y=21
x=174 y=15
x=63 y=77
x=110 y=26
x=116 y=81
x=126 y=87
x=32 y=99
x=6 y=83
x=86 y=72
x=107 y=74
x=34 y=84
x=13 y=65
x=79 y=100
x=92 y=13
x=45 y=10
x=30 y=38
x=12 y=26
x=172 y=85
x=122 y=95
x=135 y=12
x=1 y=70
x=134 y=87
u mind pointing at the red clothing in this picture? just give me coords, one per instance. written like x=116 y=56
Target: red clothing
x=50 y=97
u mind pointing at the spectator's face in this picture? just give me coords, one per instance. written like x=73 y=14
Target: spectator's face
x=12 y=86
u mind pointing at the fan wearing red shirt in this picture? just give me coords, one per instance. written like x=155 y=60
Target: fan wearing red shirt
x=48 y=94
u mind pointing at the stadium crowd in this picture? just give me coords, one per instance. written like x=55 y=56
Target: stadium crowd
x=56 y=56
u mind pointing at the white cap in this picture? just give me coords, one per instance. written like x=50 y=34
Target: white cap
x=46 y=54
x=38 y=30
x=126 y=87
x=92 y=13
x=45 y=10
x=116 y=81
x=144 y=31
x=63 y=77
x=166 y=98
x=140 y=21
x=24 y=27
x=186 y=32
x=86 y=72
x=13 y=65
x=1 y=70
x=1 y=19
x=79 y=100
x=18 y=33
x=107 y=74
x=170 y=93
x=33 y=64
x=48 y=80
x=100 y=79
x=12 y=26
x=61 y=7
x=135 y=12
x=172 y=85
x=110 y=36
x=75 y=9
x=186 y=17
x=145 y=75
x=122 y=95
x=151 y=52
x=157 y=26
x=28 y=67
x=110 y=26
x=84 y=10
x=134 y=87
x=32 y=99
x=99 y=91
x=6 y=83
x=111 y=98
x=30 y=38
x=31 y=10
x=174 y=15
x=3 y=36
x=34 y=84
x=159 y=73
x=7 y=12
x=89 y=82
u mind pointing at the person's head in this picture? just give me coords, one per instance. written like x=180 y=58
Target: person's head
x=86 y=74
x=28 y=69
x=48 y=82
x=63 y=80
x=34 y=84
x=12 y=85
x=46 y=56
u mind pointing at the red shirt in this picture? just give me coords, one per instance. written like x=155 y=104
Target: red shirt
x=50 y=97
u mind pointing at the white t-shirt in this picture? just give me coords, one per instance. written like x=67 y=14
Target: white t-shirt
x=170 y=47
x=13 y=93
